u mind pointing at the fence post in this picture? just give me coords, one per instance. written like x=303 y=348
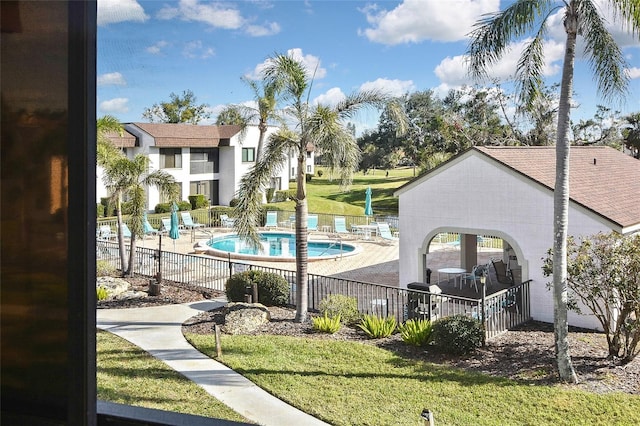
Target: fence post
x=483 y=314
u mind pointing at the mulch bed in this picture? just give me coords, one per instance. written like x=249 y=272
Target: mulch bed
x=525 y=354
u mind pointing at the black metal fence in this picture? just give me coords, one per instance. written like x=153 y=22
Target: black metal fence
x=500 y=311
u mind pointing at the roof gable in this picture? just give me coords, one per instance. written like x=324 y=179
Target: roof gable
x=124 y=140
x=188 y=135
x=601 y=179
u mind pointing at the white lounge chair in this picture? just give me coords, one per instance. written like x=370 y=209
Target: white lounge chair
x=385 y=233
x=188 y=221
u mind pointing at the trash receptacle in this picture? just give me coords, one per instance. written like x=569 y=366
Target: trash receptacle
x=428 y=276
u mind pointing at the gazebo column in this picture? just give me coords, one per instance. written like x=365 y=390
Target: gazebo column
x=468 y=251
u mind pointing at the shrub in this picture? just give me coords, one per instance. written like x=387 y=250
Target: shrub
x=104 y=269
x=377 y=327
x=99 y=210
x=308 y=177
x=340 y=305
x=458 y=334
x=319 y=172
x=198 y=201
x=234 y=202
x=102 y=293
x=273 y=290
x=416 y=332
x=326 y=324
x=184 y=206
x=270 y=192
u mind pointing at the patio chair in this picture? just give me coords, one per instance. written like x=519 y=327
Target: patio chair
x=272 y=219
x=385 y=233
x=148 y=229
x=312 y=222
x=502 y=275
x=126 y=232
x=188 y=221
x=104 y=232
x=474 y=276
x=340 y=226
x=226 y=221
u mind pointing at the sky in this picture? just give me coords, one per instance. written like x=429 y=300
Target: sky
x=150 y=49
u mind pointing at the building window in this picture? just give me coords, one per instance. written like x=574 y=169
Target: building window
x=170 y=158
x=308 y=169
x=308 y=154
x=248 y=155
x=203 y=160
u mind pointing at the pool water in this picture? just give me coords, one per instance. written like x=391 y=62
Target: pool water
x=278 y=244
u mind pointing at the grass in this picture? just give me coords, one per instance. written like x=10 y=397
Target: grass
x=347 y=383
x=325 y=195
x=129 y=375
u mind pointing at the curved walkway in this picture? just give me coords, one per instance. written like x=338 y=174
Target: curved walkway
x=158 y=330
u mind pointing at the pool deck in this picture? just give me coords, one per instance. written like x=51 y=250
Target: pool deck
x=378 y=262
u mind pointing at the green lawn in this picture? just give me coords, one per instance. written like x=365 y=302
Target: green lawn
x=350 y=383
x=326 y=196
x=129 y=375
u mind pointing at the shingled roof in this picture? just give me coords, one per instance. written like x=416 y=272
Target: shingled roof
x=124 y=140
x=601 y=179
x=188 y=135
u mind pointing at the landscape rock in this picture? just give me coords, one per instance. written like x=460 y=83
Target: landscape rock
x=242 y=318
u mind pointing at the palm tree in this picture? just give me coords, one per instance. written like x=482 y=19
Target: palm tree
x=490 y=39
x=241 y=115
x=128 y=178
x=319 y=126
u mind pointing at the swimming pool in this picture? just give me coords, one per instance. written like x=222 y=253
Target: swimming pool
x=277 y=246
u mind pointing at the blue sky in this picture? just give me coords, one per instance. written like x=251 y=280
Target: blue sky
x=149 y=49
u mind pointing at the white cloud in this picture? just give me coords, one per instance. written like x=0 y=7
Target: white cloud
x=195 y=49
x=218 y=15
x=114 y=11
x=263 y=30
x=453 y=71
x=390 y=87
x=413 y=21
x=331 y=97
x=157 y=48
x=224 y=15
x=113 y=106
x=311 y=64
x=111 y=79
x=633 y=73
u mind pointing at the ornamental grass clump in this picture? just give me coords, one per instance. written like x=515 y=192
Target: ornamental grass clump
x=417 y=332
x=101 y=293
x=378 y=327
x=327 y=324
x=345 y=307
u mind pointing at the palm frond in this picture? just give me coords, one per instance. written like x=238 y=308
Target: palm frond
x=286 y=75
x=605 y=57
x=249 y=208
x=529 y=81
x=493 y=33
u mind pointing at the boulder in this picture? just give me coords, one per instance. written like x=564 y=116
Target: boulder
x=114 y=286
x=242 y=318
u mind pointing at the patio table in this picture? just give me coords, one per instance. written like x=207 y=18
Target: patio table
x=454 y=272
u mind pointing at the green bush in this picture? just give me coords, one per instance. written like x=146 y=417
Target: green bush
x=104 y=269
x=101 y=293
x=184 y=206
x=99 y=210
x=340 y=305
x=198 y=201
x=109 y=210
x=308 y=177
x=166 y=207
x=234 y=202
x=270 y=193
x=376 y=327
x=326 y=324
x=319 y=172
x=273 y=290
x=284 y=195
x=458 y=334
x=416 y=332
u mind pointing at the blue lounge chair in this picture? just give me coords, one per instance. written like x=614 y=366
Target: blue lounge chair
x=126 y=232
x=312 y=222
x=188 y=221
x=340 y=226
x=385 y=233
x=148 y=229
x=272 y=219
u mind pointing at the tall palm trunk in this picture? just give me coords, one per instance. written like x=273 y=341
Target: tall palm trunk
x=123 y=256
x=561 y=207
x=132 y=255
x=302 y=232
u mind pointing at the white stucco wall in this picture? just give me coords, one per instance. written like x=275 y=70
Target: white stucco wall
x=472 y=194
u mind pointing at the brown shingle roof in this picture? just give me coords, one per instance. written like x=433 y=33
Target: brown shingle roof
x=126 y=140
x=188 y=135
x=601 y=179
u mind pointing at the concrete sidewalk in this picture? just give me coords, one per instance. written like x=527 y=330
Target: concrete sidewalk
x=158 y=330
